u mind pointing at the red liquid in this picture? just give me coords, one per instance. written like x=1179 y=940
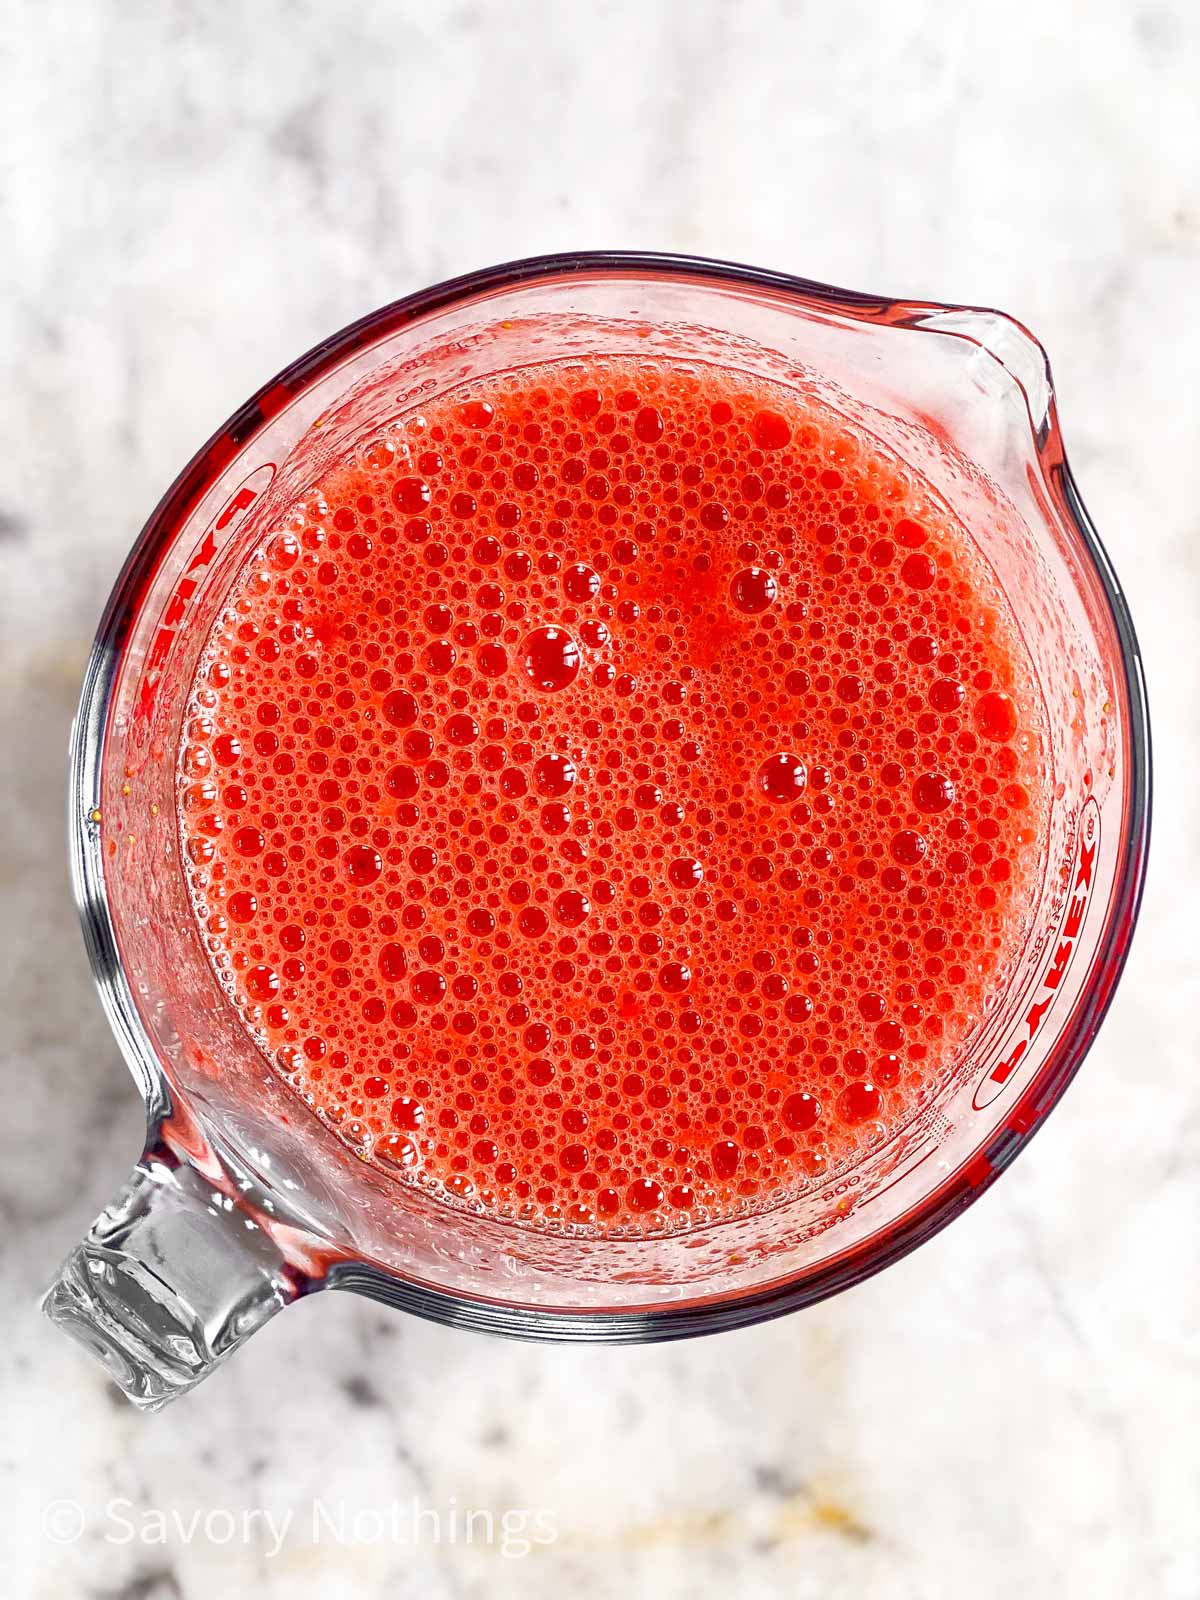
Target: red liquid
x=623 y=793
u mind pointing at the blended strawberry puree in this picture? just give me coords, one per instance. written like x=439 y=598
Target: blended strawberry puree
x=613 y=797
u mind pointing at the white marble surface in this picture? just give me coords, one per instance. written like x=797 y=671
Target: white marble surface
x=191 y=194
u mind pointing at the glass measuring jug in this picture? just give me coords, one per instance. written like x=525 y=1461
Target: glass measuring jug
x=241 y=1201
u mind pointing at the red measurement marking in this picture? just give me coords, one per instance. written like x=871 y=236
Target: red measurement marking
x=1062 y=954
x=176 y=608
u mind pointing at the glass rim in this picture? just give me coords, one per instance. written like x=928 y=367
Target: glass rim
x=1030 y=1107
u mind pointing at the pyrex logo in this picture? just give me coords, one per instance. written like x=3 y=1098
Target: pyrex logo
x=1062 y=954
x=234 y=509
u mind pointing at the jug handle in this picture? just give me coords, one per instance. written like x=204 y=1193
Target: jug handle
x=172 y=1277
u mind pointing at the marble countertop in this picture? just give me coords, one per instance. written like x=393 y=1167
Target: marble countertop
x=191 y=195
